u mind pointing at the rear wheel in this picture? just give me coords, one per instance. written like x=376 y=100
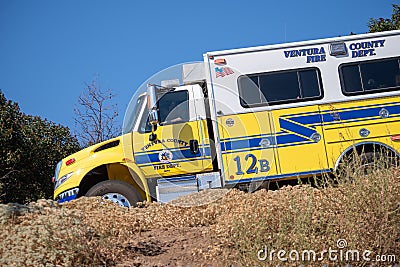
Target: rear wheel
x=355 y=165
x=116 y=191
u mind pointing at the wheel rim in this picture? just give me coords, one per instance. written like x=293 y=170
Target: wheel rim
x=117 y=198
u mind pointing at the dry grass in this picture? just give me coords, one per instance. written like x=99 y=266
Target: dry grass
x=366 y=213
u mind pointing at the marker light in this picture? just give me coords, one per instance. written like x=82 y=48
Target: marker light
x=220 y=61
x=70 y=161
x=395 y=138
x=127 y=160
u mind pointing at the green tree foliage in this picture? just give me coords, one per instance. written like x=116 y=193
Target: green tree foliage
x=381 y=24
x=30 y=147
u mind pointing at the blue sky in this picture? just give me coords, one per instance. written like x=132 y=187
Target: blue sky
x=49 y=49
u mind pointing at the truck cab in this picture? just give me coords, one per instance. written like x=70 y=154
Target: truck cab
x=167 y=148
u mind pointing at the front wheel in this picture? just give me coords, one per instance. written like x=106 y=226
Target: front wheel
x=116 y=191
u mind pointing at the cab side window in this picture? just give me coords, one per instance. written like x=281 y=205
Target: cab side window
x=173 y=107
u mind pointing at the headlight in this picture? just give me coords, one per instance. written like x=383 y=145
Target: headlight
x=62 y=180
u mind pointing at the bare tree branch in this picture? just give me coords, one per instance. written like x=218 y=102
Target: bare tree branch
x=95 y=115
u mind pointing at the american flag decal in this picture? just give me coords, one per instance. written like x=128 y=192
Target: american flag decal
x=223 y=71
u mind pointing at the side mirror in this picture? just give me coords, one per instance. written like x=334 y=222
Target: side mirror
x=152 y=104
x=153 y=114
x=153 y=117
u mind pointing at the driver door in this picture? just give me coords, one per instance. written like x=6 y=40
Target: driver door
x=179 y=147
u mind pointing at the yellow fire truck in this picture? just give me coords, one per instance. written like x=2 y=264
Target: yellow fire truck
x=244 y=117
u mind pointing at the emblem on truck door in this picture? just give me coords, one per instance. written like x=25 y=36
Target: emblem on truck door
x=165 y=156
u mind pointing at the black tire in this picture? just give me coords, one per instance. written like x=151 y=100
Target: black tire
x=116 y=191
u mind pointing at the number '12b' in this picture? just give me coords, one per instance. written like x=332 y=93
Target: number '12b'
x=262 y=166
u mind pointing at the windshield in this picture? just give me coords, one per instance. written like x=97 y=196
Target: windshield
x=132 y=113
x=136 y=105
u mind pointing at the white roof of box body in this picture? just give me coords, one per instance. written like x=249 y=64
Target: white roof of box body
x=302 y=43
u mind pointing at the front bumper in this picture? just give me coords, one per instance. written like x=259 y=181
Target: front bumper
x=68 y=195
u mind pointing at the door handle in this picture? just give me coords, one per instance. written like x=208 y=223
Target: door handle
x=194 y=146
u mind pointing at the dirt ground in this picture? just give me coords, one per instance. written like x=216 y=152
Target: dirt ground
x=171 y=247
x=153 y=234
x=210 y=228
x=179 y=245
